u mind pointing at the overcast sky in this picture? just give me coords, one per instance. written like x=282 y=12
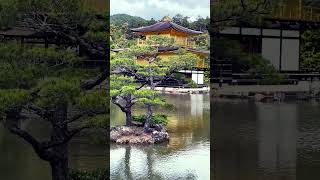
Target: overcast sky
x=156 y=9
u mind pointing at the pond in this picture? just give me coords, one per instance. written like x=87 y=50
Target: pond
x=186 y=156
x=265 y=141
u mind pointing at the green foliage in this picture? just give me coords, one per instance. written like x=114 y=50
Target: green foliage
x=21 y=67
x=55 y=91
x=201 y=24
x=183 y=60
x=98 y=26
x=71 y=12
x=12 y=98
x=91 y=101
x=53 y=71
x=311 y=63
x=230 y=12
x=96 y=36
x=8 y=11
x=202 y=41
x=121 y=36
x=117 y=82
x=97 y=31
x=98 y=121
x=133 y=21
x=160 y=41
x=310 y=56
x=156 y=119
x=192 y=84
x=89 y=175
x=257 y=66
x=122 y=63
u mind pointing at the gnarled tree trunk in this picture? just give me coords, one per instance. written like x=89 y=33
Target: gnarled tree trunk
x=59 y=169
x=59 y=164
x=148 y=120
x=128 y=117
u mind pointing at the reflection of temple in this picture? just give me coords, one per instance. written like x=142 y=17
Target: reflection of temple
x=196 y=101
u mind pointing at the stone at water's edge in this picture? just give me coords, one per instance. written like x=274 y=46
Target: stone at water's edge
x=136 y=135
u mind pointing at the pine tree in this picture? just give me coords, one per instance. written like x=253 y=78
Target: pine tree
x=151 y=72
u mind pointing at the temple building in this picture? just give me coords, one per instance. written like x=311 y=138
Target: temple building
x=182 y=37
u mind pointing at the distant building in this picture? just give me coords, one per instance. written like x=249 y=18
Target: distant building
x=278 y=38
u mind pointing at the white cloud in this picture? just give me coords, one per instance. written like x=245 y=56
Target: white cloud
x=158 y=8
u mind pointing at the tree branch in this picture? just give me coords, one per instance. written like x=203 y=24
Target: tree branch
x=114 y=101
x=83 y=115
x=90 y=84
x=31 y=140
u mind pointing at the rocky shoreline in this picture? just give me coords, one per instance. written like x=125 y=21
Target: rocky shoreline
x=137 y=135
x=302 y=91
x=171 y=90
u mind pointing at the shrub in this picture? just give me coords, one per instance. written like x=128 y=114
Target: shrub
x=192 y=84
x=156 y=119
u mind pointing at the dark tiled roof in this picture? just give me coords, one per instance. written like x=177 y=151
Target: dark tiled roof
x=166 y=49
x=163 y=26
x=18 y=31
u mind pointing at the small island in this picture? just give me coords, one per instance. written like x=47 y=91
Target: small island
x=137 y=135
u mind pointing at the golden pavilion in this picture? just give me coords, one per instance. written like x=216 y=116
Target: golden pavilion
x=182 y=37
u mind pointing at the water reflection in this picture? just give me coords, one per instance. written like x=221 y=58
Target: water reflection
x=266 y=141
x=260 y=143
x=277 y=138
x=308 y=161
x=186 y=156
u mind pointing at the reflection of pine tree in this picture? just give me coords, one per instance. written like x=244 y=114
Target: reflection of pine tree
x=127 y=156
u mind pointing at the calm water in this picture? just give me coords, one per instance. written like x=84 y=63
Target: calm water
x=19 y=162
x=186 y=156
x=266 y=141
